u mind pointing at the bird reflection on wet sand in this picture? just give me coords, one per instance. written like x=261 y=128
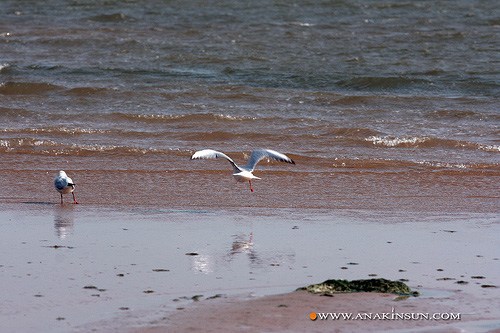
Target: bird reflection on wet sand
x=241 y=244
x=64 y=219
x=244 y=244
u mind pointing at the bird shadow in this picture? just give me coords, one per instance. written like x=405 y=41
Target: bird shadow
x=39 y=203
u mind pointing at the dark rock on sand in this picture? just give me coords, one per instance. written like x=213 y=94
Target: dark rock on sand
x=330 y=287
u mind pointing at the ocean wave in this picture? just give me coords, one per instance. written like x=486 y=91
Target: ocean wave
x=55 y=131
x=322 y=135
x=492 y=148
x=169 y=118
x=87 y=149
x=392 y=165
x=27 y=88
x=219 y=136
x=428 y=142
x=30 y=146
x=13 y=113
x=115 y=117
x=462 y=115
x=208 y=119
x=479 y=86
x=382 y=83
x=4 y=67
x=378 y=165
x=454 y=114
x=305 y=163
x=115 y=17
x=85 y=91
x=382 y=164
x=466 y=167
x=389 y=141
x=352 y=132
x=446 y=165
x=25 y=144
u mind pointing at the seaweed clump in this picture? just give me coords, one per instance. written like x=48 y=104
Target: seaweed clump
x=330 y=287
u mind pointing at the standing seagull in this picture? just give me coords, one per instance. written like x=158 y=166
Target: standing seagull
x=243 y=174
x=64 y=184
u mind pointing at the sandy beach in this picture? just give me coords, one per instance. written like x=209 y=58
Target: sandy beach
x=78 y=268
x=291 y=313
x=390 y=111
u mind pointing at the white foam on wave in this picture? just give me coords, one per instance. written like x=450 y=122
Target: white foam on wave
x=390 y=141
x=493 y=148
x=11 y=143
x=446 y=165
x=56 y=130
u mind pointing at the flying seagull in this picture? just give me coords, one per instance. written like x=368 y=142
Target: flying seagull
x=243 y=174
x=64 y=184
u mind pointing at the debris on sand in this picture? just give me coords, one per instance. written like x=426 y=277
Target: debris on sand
x=330 y=287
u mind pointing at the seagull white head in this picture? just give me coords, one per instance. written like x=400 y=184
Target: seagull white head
x=64 y=185
x=245 y=173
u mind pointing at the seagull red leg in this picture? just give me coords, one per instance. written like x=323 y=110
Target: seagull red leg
x=61 y=199
x=251 y=188
x=74 y=199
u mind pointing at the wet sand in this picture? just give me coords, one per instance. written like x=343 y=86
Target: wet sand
x=81 y=268
x=290 y=313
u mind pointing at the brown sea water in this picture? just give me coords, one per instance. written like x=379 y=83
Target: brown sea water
x=383 y=106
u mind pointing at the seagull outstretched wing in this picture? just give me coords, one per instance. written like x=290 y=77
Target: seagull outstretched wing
x=210 y=153
x=260 y=154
